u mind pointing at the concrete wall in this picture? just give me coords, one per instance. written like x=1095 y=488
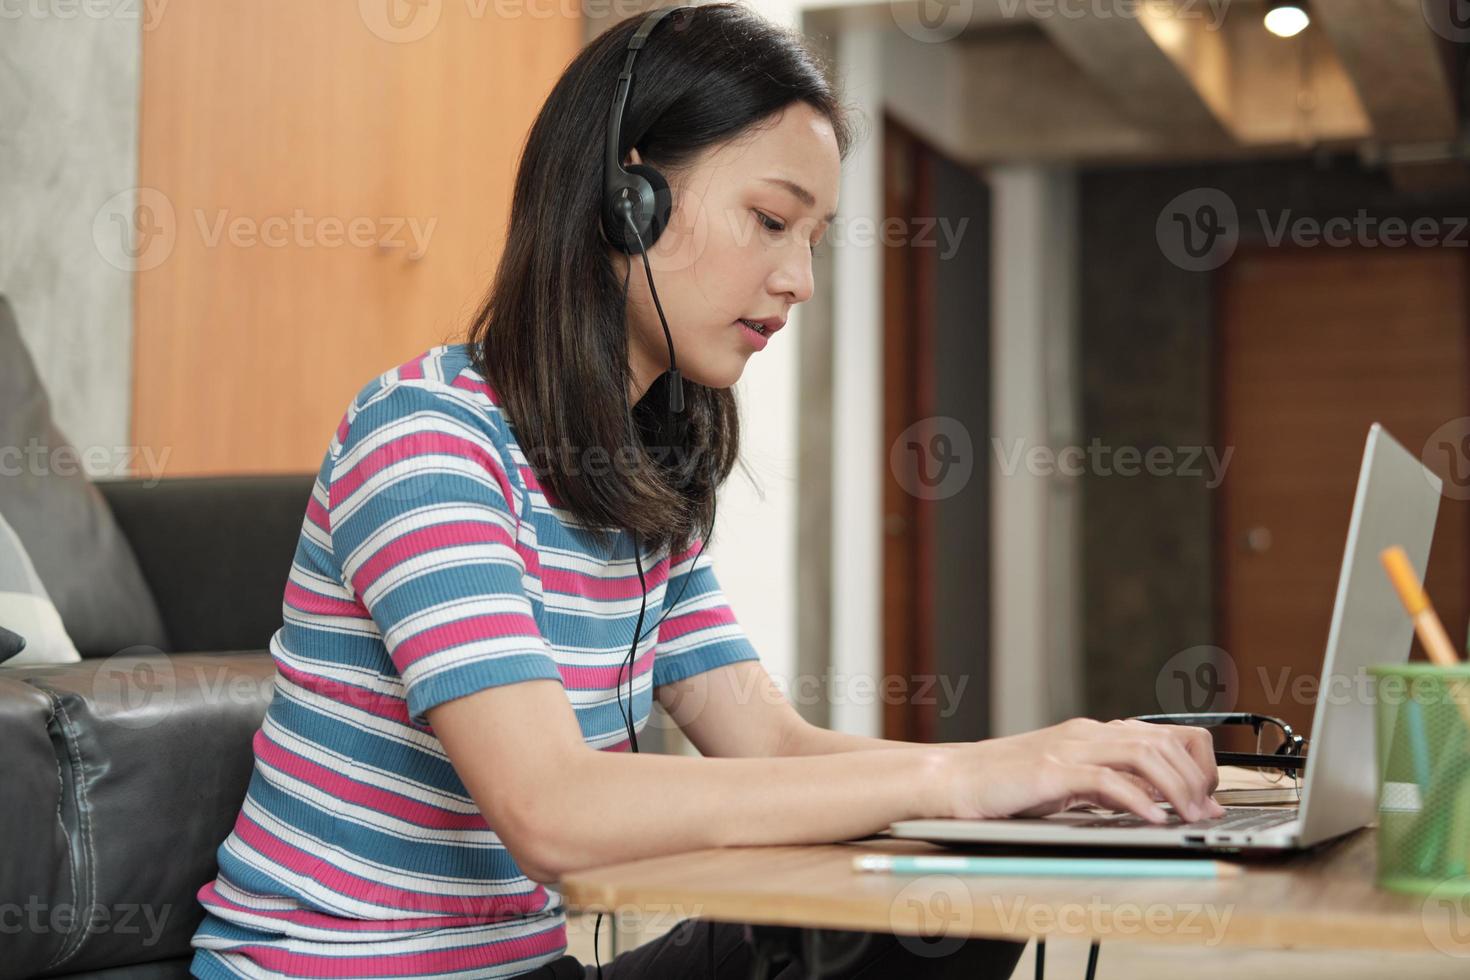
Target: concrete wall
x=68 y=148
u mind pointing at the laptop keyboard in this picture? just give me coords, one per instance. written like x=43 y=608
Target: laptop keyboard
x=1235 y=819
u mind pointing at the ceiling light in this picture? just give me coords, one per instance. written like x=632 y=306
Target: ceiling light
x=1287 y=19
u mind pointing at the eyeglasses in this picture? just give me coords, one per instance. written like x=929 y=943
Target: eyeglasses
x=1280 y=752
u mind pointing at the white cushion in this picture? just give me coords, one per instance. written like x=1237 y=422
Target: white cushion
x=26 y=609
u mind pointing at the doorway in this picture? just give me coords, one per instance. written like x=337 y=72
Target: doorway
x=936 y=370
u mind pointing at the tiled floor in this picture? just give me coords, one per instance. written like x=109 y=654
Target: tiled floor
x=1067 y=959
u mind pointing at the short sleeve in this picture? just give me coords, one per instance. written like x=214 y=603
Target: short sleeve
x=700 y=633
x=421 y=521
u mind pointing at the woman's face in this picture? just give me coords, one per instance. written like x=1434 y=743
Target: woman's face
x=738 y=245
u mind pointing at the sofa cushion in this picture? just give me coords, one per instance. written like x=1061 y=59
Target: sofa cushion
x=122 y=777
x=28 y=618
x=78 y=551
x=216 y=552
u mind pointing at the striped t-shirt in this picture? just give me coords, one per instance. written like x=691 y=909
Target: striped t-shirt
x=430 y=565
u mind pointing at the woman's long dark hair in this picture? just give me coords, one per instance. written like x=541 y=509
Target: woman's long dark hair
x=551 y=338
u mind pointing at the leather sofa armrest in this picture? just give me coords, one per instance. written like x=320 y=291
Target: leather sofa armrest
x=123 y=776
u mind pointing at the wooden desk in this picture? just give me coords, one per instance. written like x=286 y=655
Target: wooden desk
x=1321 y=899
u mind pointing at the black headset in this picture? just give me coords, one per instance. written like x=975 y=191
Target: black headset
x=636 y=202
x=636 y=199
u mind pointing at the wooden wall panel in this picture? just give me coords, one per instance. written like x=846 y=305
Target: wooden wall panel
x=1315 y=345
x=292 y=149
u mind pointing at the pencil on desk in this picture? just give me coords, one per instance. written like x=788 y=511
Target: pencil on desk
x=1049 y=867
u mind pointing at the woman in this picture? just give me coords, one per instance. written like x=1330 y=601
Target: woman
x=493 y=523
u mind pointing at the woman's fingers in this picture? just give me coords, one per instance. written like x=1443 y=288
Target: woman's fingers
x=1200 y=745
x=1112 y=789
x=1144 y=758
x=1141 y=764
x=1163 y=762
x=1191 y=748
x=1200 y=779
x=1145 y=785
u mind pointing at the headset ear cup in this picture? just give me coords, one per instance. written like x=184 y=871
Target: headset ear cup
x=662 y=202
x=613 y=225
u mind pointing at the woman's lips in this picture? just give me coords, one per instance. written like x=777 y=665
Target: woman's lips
x=752 y=337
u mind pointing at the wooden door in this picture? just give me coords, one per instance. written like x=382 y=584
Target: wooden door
x=1314 y=345
x=335 y=178
x=936 y=545
x=908 y=397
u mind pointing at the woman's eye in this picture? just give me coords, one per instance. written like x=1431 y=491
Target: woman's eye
x=777 y=226
x=769 y=222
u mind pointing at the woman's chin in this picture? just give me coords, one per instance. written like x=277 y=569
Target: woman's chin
x=721 y=375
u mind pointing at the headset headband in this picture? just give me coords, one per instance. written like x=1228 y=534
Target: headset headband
x=638 y=191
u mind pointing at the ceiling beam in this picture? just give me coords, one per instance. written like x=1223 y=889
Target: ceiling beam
x=1166 y=71
x=1026 y=100
x=1394 y=60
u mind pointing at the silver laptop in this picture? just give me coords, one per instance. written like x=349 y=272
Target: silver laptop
x=1396 y=504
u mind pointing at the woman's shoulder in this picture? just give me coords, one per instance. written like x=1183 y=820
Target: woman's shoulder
x=443 y=372
x=443 y=365
x=441 y=381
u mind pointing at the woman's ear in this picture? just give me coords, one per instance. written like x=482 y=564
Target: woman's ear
x=633 y=157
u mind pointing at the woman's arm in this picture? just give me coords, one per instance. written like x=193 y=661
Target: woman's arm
x=559 y=805
x=738 y=710
x=804 y=738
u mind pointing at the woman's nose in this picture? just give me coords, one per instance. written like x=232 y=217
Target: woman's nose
x=794 y=276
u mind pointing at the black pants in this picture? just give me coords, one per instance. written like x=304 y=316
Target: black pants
x=683 y=954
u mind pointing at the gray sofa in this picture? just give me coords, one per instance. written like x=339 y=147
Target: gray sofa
x=125 y=772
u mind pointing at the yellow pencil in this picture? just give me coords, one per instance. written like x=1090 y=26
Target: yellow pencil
x=1426 y=623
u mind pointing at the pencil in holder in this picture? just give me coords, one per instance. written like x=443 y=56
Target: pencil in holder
x=1422 y=743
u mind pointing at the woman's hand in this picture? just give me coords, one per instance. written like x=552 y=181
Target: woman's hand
x=1123 y=765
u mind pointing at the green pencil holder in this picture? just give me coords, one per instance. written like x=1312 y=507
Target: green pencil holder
x=1422 y=751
